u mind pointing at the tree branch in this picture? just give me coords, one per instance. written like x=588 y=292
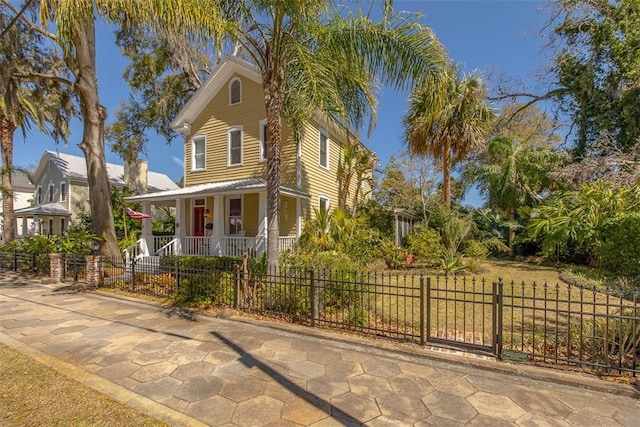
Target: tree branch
x=16 y=18
x=31 y=76
x=20 y=16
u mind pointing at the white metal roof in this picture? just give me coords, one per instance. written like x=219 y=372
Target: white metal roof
x=76 y=167
x=225 y=187
x=48 y=209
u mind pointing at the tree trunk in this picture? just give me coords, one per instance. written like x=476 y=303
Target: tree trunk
x=446 y=174
x=92 y=145
x=7 y=128
x=273 y=102
x=512 y=231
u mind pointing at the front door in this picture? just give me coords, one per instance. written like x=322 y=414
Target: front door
x=198 y=221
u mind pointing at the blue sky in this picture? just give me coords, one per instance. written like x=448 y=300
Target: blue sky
x=494 y=37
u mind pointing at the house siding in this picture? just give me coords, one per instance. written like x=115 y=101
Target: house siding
x=250 y=214
x=214 y=123
x=317 y=180
x=79 y=199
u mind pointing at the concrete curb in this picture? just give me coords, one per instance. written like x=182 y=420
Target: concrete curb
x=140 y=403
x=416 y=354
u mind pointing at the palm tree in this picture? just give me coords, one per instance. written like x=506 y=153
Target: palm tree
x=313 y=60
x=448 y=125
x=357 y=163
x=515 y=169
x=26 y=99
x=513 y=174
x=74 y=26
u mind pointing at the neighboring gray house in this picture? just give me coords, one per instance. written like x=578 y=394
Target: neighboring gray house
x=62 y=190
x=22 y=195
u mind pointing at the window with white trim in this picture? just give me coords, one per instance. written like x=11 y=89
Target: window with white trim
x=198 y=158
x=323 y=204
x=39 y=195
x=235 y=215
x=235 y=146
x=63 y=226
x=63 y=191
x=263 y=140
x=235 y=91
x=324 y=149
x=52 y=189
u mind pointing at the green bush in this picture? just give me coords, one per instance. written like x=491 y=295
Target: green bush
x=394 y=256
x=476 y=253
x=619 y=250
x=425 y=244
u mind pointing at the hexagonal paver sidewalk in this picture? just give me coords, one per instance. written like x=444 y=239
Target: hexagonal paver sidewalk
x=198 y=370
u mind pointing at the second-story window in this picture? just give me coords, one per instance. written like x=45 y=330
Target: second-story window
x=52 y=189
x=39 y=195
x=235 y=91
x=263 y=140
x=63 y=191
x=198 y=153
x=324 y=149
x=235 y=146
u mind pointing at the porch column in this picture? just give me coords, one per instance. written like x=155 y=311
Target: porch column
x=25 y=229
x=217 y=234
x=146 y=233
x=181 y=223
x=298 y=217
x=261 y=238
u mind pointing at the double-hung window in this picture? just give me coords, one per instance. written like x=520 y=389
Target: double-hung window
x=198 y=153
x=235 y=146
x=63 y=191
x=52 y=189
x=324 y=149
x=263 y=140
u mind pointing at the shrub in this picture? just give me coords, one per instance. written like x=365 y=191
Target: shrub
x=425 y=244
x=476 y=253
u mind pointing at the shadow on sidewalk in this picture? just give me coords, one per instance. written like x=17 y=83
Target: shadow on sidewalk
x=249 y=361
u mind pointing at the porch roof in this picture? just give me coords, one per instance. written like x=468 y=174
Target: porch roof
x=225 y=187
x=56 y=209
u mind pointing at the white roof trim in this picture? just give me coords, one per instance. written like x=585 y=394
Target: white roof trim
x=216 y=81
x=225 y=187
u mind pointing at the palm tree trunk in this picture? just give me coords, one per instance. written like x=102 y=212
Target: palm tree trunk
x=7 y=128
x=512 y=231
x=446 y=174
x=92 y=145
x=273 y=103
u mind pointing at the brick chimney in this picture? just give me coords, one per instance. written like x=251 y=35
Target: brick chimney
x=135 y=175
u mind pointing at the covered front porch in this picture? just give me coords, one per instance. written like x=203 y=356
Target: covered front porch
x=220 y=219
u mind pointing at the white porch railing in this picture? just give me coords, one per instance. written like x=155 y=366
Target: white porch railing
x=237 y=246
x=227 y=246
x=286 y=243
x=160 y=242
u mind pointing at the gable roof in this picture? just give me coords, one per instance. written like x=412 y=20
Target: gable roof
x=76 y=167
x=21 y=182
x=216 y=81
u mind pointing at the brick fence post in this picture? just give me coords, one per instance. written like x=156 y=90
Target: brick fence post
x=55 y=267
x=95 y=265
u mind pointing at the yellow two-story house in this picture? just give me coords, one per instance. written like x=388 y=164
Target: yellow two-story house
x=222 y=208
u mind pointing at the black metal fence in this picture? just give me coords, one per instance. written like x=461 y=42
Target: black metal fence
x=23 y=262
x=559 y=324
x=535 y=323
